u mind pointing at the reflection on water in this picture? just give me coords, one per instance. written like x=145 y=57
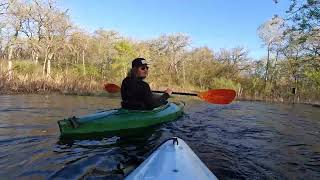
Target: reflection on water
x=243 y=140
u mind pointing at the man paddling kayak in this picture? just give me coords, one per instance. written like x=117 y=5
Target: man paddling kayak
x=136 y=93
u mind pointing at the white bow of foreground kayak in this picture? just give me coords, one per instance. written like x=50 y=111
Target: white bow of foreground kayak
x=174 y=159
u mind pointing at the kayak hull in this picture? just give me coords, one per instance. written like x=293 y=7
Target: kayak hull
x=173 y=160
x=118 y=120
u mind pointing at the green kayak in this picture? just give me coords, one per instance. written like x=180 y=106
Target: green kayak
x=118 y=120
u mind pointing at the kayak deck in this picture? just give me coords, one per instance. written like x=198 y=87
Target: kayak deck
x=173 y=160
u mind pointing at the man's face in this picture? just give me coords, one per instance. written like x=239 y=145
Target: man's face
x=142 y=71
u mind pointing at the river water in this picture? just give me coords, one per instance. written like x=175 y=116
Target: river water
x=243 y=140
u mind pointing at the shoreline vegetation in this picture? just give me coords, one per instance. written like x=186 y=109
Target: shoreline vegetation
x=68 y=84
x=96 y=90
x=42 y=51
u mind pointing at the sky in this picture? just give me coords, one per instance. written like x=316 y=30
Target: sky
x=213 y=23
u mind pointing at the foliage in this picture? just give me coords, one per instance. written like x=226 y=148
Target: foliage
x=91 y=71
x=224 y=83
x=25 y=67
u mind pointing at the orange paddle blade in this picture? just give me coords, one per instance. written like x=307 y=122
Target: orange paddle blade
x=218 y=96
x=111 y=88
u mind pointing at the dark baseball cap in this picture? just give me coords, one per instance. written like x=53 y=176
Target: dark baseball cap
x=137 y=62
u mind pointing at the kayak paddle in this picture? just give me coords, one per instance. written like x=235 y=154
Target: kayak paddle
x=214 y=96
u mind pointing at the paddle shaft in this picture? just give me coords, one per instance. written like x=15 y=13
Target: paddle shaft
x=214 y=96
x=179 y=93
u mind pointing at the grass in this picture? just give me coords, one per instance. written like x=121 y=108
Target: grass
x=28 y=78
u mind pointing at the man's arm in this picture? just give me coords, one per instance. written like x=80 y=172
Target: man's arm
x=152 y=101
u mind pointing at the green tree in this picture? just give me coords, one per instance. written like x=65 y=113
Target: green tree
x=122 y=61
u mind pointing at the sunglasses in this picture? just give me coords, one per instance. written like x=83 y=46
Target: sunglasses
x=144 y=68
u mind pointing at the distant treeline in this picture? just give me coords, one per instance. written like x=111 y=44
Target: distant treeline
x=41 y=50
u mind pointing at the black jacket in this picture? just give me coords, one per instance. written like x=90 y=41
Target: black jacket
x=136 y=94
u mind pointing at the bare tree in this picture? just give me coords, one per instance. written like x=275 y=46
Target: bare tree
x=15 y=18
x=271 y=33
x=235 y=61
x=171 y=49
x=79 y=43
x=51 y=26
x=4 y=7
x=202 y=60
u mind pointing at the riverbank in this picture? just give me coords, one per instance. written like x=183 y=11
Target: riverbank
x=71 y=84
x=99 y=92
x=315 y=103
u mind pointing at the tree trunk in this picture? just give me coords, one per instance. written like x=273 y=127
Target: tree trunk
x=33 y=55
x=83 y=65
x=274 y=83
x=50 y=56
x=10 y=62
x=37 y=58
x=10 y=53
x=44 y=68
x=267 y=67
x=296 y=90
x=49 y=67
x=239 y=91
x=9 y=69
x=184 y=74
x=77 y=58
x=266 y=78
